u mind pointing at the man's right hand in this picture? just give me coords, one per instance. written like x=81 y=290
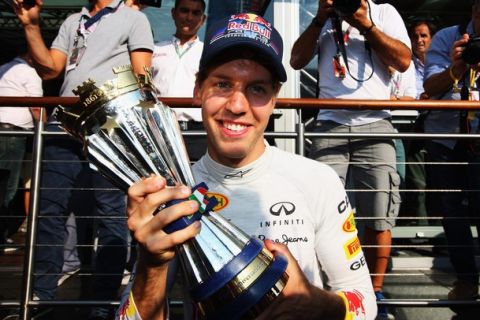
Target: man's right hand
x=300 y=299
x=459 y=66
x=28 y=15
x=325 y=8
x=144 y=199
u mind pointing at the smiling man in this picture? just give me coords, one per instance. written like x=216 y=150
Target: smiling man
x=268 y=193
x=175 y=63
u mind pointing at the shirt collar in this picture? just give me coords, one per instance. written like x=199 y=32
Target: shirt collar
x=229 y=175
x=191 y=42
x=86 y=9
x=417 y=62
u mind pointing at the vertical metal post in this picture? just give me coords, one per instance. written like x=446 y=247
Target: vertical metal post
x=300 y=145
x=32 y=220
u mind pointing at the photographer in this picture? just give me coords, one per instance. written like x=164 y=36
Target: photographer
x=362 y=40
x=451 y=73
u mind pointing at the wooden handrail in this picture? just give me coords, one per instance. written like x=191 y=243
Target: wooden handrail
x=287 y=103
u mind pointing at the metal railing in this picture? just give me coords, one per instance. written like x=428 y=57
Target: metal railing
x=300 y=135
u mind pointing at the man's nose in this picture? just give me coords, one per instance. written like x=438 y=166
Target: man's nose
x=238 y=102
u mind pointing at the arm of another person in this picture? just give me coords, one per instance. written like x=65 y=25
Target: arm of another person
x=140 y=60
x=140 y=42
x=393 y=52
x=303 y=49
x=147 y=298
x=440 y=54
x=49 y=63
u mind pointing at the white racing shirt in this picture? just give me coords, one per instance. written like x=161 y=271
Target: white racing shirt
x=303 y=204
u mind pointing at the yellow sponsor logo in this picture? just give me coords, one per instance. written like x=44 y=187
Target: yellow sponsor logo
x=352 y=248
x=349 y=224
x=222 y=200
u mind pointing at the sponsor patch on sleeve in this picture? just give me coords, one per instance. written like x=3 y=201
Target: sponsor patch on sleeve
x=349 y=224
x=352 y=248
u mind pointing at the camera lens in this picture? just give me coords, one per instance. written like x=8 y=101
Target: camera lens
x=471 y=53
x=346 y=7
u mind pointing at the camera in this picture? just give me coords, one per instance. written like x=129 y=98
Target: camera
x=346 y=7
x=471 y=53
x=152 y=3
x=29 y=3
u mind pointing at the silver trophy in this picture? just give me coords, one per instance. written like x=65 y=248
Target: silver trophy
x=129 y=134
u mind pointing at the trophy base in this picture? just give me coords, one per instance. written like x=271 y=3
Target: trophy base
x=244 y=287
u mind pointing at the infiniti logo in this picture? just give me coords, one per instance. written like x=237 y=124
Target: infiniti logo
x=286 y=207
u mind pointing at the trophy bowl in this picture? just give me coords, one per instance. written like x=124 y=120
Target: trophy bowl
x=128 y=134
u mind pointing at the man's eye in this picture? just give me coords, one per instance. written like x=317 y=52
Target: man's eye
x=258 y=89
x=222 y=85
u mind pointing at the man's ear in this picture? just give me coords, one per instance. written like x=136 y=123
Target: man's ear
x=197 y=99
x=277 y=87
x=204 y=18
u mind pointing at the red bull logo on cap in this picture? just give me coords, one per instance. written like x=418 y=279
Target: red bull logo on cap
x=249 y=26
x=252 y=18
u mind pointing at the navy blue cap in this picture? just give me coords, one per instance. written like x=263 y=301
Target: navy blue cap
x=245 y=30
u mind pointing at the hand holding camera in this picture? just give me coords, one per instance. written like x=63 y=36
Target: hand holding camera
x=471 y=51
x=346 y=7
x=27 y=11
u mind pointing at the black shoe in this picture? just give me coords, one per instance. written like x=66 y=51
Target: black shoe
x=7 y=246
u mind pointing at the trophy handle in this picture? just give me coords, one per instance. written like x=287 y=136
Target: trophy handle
x=206 y=204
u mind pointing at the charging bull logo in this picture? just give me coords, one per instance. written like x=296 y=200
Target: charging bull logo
x=252 y=18
x=354 y=301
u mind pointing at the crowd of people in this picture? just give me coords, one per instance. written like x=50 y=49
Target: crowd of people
x=235 y=75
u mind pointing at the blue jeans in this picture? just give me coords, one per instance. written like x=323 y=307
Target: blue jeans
x=68 y=184
x=450 y=204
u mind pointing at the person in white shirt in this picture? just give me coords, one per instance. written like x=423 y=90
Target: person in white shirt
x=272 y=195
x=17 y=78
x=175 y=64
x=356 y=51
